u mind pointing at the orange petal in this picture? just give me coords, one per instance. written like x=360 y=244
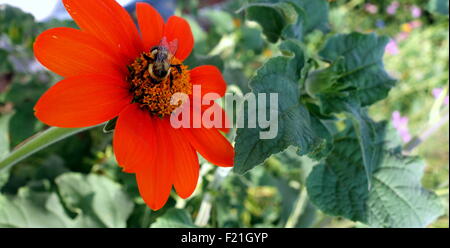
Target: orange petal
x=109 y=22
x=135 y=139
x=83 y=101
x=179 y=29
x=69 y=52
x=155 y=179
x=186 y=164
x=210 y=79
x=151 y=24
x=212 y=145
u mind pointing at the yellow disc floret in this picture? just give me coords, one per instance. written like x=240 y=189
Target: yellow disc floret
x=154 y=95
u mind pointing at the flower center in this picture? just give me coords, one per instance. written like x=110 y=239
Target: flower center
x=154 y=78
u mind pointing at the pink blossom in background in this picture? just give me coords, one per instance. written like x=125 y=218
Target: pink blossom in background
x=371 y=8
x=415 y=24
x=402 y=36
x=392 y=8
x=416 y=12
x=437 y=92
x=401 y=125
x=392 y=48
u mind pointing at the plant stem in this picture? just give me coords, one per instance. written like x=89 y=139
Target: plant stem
x=414 y=143
x=298 y=209
x=204 y=213
x=146 y=218
x=37 y=143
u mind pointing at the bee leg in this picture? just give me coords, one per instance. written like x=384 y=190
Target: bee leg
x=154 y=81
x=178 y=67
x=171 y=80
x=148 y=58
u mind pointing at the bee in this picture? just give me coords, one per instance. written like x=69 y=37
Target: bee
x=160 y=59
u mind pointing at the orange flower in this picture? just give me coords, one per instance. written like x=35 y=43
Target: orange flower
x=106 y=66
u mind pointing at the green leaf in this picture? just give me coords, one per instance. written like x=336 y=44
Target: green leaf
x=339 y=187
x=326 y=145
x=174 y=218
x=251 y=39
x=24 y=97
x=4 y=136
x=100 y=201
x=221 y=21
x=439 y=7
x=4 y=177
x=366 y=133
x=110 y=125
x=397 y=185
x=17 y=25
x=280 y=76
x=33 y=210
x=274 y=18
x=317 y=14
x=358 y=64
x=23 y=123
x=288 y=18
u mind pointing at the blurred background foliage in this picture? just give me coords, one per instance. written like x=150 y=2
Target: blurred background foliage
x=78 y=183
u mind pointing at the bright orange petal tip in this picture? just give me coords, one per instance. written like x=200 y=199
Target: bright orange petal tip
x=109 y=22
x=155 y=179
x=151 y=25
x=212 y=145
x=179 y=29
x=70 y=52
x=210 y=78
x=82 y=101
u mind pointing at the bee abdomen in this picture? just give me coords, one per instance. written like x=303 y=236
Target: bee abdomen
x=158 y=72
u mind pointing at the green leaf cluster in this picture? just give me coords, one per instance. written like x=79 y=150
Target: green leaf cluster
x=323 y=113
x=93 y=201
x=339 y=187
x=289 y=18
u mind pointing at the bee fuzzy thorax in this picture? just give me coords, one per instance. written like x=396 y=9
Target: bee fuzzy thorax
x=160 y=62
x=154 y=92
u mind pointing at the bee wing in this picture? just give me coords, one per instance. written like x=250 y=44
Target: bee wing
x=171 y=47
